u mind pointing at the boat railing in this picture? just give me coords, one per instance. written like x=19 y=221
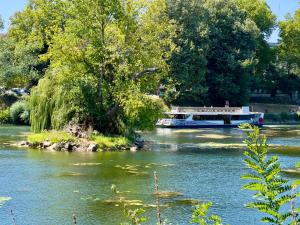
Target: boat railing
x=176 y=109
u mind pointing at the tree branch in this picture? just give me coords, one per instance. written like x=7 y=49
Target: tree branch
x=145 y=72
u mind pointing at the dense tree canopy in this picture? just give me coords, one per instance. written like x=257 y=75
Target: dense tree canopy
x=265 y=20
x=289 y=49
x=1 y=23
x=289 y=53
x=101 y=62
x=105 y=63
x=216 y=45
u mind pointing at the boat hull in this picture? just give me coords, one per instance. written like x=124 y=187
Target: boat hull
x=203 y=126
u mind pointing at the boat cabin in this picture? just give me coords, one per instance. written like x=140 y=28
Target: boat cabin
x=210 y=117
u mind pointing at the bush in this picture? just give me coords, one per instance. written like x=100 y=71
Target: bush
x=52 y=136
x=19 y=113
x=5 y=116
x=8 y=98
x=272 y=117
x=297 y=116
x=284 y=116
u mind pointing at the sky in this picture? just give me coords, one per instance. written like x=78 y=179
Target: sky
x=279 y=7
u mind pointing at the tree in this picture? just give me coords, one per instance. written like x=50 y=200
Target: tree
x=261 y=14
x=188 y=61
x=289 y=48
x=1 y=23
x=22 y=59
x=216 y=44
x=233 y=42
x=265 y=74
x=105 y=64
x=19 y=65
x=289 y=53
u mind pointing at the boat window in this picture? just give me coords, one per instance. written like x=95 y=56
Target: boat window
x=207 y=117
x=241 y=117
x=179 y=116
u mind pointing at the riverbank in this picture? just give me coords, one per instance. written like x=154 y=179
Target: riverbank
x=67 y=141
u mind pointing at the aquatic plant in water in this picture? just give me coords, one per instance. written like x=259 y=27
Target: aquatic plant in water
x=3 y=200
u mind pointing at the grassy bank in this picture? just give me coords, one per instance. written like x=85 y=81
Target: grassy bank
x=109 y=142
x=51 y=136
x=100 y=142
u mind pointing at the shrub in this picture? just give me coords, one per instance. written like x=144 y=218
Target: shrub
x=297 y=116
x=19 y=113
x=284 y=116
x=272 y=117
x=8 y=98
x=52 y=136
x=5 y=116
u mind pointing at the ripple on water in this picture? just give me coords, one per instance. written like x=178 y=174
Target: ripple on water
x=204 y=165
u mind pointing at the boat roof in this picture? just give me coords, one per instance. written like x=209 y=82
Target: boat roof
x=245 y=110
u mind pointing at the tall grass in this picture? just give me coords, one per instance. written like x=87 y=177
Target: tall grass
x=109 y=142
x=52 y=136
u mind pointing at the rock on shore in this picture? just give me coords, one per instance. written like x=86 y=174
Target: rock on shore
x=81 y=146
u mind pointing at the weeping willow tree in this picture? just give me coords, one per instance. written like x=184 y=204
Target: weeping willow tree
x=106 y=64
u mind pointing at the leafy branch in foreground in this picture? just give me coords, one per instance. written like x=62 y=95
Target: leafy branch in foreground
x=200 y=215
x=272 y=192
x=135 y=216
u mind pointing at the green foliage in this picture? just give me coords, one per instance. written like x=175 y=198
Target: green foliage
x=110 y=142
x=200 y=215
x=52 y=136
x=288 y=54
x=135 y=216
x=1 y=23
x=7 y=98
x=264 y=72
x=260 y=13
x=289 y=48
x=216 y=43
x=102 y=69
x=142 y=111
x=19 y=63
x=282 y=117
x=22 y=56
x=188 y=61
x=272 y=117
x=19 y=112
x=272 y=192
x=5 y=116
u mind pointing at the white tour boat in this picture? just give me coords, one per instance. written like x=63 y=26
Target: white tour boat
x=210 y=117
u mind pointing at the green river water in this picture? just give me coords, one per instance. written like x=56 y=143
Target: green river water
x=46 y=188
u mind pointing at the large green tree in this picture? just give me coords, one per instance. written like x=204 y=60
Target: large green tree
x=233 y=41
x=1 y=23
x=216 y=45
x=288 y=60
x=290 y=43
x=188 y=61
x=23 y=49
x=264 y=73
x=105 y=64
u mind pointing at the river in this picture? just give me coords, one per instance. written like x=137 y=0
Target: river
x=46 y=188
